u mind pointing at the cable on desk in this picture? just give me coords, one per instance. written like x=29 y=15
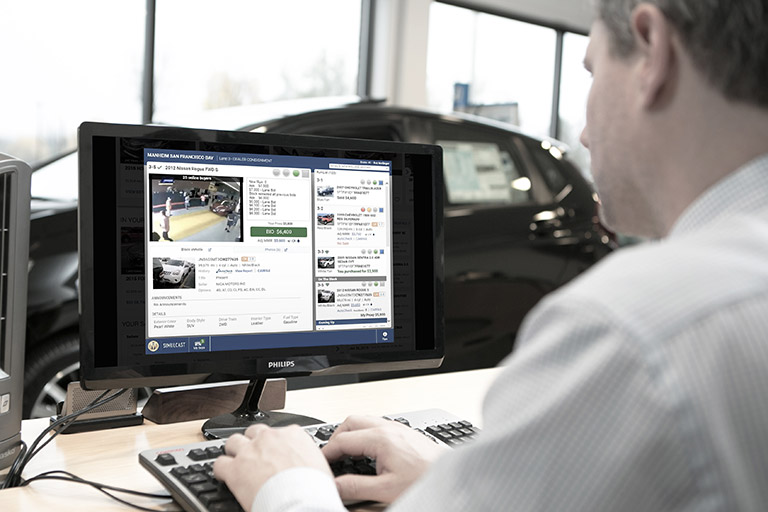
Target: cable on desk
x=13 y=478
x=104 y=488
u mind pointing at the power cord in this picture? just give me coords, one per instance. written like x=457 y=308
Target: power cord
x=13 y=479
x=69 y=477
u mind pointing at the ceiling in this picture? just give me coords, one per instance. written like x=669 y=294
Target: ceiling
x=574 y=15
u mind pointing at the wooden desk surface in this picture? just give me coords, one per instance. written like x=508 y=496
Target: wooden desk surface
x=111 y=456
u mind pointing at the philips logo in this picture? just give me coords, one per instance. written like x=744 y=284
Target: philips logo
x=281 y=364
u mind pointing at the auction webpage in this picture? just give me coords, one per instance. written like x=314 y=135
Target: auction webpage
x=253 y=251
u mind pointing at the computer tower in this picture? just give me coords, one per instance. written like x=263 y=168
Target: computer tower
x=15 y=178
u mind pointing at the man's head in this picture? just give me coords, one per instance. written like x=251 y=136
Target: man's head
x=727 y=40
x=671 y=111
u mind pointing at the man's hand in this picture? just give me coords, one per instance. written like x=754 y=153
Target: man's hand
x=402 y=455
x=253 y=458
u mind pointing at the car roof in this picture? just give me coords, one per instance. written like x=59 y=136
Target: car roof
x=263 y=117
x=240 y=117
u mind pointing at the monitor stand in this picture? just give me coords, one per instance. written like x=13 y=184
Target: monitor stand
x=248 y=413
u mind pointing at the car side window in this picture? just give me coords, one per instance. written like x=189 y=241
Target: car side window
x=549 y=167
x=482 y=172
x=481 y=166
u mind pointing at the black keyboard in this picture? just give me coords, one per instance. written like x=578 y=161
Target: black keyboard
x=186 y=471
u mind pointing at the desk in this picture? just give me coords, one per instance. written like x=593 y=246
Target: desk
x=111 y=456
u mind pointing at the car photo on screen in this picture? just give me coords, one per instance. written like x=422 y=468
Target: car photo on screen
x=172 y=273
x=326 y=296
x=325 y=191
x=195 y=209
x=326 y=262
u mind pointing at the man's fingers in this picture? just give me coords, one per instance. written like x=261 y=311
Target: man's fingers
x=254 y=430
x=364 y=488
x=360 y=422
x=353 y=443
x=222 y=467
x=235 y=443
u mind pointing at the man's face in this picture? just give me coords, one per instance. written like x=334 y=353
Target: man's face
x=610 y=137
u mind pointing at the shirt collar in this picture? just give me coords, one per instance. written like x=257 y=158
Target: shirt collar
x=744 y=190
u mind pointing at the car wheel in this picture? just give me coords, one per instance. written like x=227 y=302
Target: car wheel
x=49 y=369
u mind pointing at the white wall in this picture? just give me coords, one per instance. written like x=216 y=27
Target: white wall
x=575 y=15
x=400 y=59
x=399 y=71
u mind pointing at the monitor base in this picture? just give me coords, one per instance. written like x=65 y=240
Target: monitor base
x=248 y=413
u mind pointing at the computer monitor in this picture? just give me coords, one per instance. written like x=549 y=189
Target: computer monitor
x=209 y=256
x=14 y=266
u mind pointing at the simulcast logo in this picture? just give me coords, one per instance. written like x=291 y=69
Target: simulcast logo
x=153 y=345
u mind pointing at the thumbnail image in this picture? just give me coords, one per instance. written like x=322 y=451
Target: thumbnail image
x=172 y=273
x=195 y=208
x=325 y=191
x=326 y=262
x=326 y=296
x=325 y=219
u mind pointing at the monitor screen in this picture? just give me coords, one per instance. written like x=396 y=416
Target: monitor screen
x=214 y=255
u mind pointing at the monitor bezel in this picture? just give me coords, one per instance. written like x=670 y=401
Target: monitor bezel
x=153 y=375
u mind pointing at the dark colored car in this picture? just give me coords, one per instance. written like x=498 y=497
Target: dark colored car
x=223 y=207
x=520 y=221
x=326 y=262
x=325 y=296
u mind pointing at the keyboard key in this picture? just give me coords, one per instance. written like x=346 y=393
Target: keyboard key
x=214 y=451
x=324 y=433
x=193 y=478
x=180 y=471
x=225 y=506
x=204 y=487
x=434 y=429
x=197 y=454
x=196 y=468
x=209 y=498
x=165 y=459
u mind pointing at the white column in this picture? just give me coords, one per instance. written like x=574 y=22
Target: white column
x=399 y=67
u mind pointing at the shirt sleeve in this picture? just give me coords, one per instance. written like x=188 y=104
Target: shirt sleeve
x=299 y=490
x=578 y=420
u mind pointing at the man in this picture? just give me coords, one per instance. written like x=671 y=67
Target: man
x=642 y=384
x=165 y=224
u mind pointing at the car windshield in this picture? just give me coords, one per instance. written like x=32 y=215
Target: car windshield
x=175 y=263
x=57 y=180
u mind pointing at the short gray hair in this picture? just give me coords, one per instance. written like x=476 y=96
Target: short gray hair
x=726 y=39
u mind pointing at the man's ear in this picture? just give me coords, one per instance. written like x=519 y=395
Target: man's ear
x=656 y=65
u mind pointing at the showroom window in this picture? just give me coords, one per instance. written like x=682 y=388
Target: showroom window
x=574 y=88
x=243 y=52
x=63 y=63
x=508 y=66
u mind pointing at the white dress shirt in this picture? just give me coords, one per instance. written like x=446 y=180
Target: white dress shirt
x=640 y=386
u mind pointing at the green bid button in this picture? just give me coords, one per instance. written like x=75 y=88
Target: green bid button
x=287 y=232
